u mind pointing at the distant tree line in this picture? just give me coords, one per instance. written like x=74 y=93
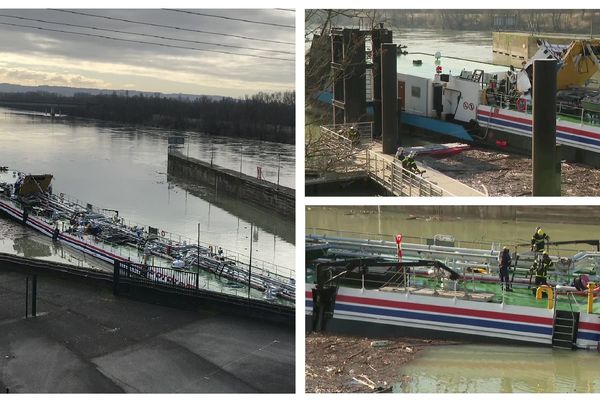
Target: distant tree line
x=573 y=21
x=529 y=20
x=265 y=116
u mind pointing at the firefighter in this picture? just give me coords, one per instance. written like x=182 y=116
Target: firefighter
x=538 y=240
x=400 y=154
x=410 y=165
x=541 y=267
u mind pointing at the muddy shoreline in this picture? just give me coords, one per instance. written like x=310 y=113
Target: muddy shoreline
x=349 y=364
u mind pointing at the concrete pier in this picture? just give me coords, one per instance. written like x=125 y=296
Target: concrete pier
x=266 y=194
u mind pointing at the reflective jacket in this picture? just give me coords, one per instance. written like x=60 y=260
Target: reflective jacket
x=541 y=267
x=539 y=241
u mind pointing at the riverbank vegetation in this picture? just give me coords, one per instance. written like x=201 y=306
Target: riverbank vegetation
x=264 y=116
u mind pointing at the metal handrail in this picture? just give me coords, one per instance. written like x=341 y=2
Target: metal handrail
x=506 y=102
x=365 y=129
x=399 y=179
x=340 y=140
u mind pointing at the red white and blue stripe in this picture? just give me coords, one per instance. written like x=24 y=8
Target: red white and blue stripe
x=489 y=320
x=567 y=133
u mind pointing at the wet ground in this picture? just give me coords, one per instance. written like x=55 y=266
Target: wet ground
x=86 y=340
x=503 y=174
x=347 y=364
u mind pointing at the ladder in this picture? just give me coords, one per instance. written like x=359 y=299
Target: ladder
x=566 y=323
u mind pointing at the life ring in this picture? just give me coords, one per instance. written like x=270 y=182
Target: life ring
x=521 y=104
x=163 y=233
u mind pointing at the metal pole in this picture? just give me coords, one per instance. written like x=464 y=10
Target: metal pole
x=389 y=98
x=543 y=149
x=250 y=264
x=26 y=297
x=198 y=259
x=34 y=295
x=241 y=156
x=116 y=273
x=278 y=167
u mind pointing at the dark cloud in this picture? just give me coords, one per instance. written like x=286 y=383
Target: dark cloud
x=42 y=45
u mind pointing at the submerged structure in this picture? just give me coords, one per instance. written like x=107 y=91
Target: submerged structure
x=149 y=253
x=436 y=290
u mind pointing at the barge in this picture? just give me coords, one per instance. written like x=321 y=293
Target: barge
x=489 y=103
x=386 y=288
x=153 y=253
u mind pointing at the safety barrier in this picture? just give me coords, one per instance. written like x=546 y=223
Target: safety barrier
x=130 y=276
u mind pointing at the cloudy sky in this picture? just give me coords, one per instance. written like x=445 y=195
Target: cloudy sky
x=30 y=56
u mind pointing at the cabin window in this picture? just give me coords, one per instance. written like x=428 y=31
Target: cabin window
x=415 y=91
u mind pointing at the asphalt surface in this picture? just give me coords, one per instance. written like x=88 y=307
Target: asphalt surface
x=86 y=340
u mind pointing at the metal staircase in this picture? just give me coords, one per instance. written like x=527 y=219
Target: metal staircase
x=564 y=333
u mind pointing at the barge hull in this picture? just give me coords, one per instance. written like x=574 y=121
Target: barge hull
x=398 y=314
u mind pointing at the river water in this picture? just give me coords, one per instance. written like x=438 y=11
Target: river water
x=386 y=223
x=471 y=45
x=471 y=368
x=500 y=369
x=124 y=168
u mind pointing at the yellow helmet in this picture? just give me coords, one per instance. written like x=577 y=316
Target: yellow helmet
x=540 y=232
x=545 y=253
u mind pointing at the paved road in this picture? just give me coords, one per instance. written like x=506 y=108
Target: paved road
x=87 y=340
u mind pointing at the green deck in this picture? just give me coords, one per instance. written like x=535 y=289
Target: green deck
x=520 y=296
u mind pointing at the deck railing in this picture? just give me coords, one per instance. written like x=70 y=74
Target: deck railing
x=577 y=114
x=132 y=253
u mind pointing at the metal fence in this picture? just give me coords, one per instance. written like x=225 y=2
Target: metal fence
x=399 y=181
x=156 y=277
x=365 y=129
x=184 y=282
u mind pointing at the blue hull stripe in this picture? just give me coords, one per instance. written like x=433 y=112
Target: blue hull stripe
x=449 y=319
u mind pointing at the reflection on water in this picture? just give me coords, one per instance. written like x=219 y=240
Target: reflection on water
x=18 y=240
x=471 y=45
x=29 y=248
x=500 y=369
x=270 y=222
x=124 y=168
